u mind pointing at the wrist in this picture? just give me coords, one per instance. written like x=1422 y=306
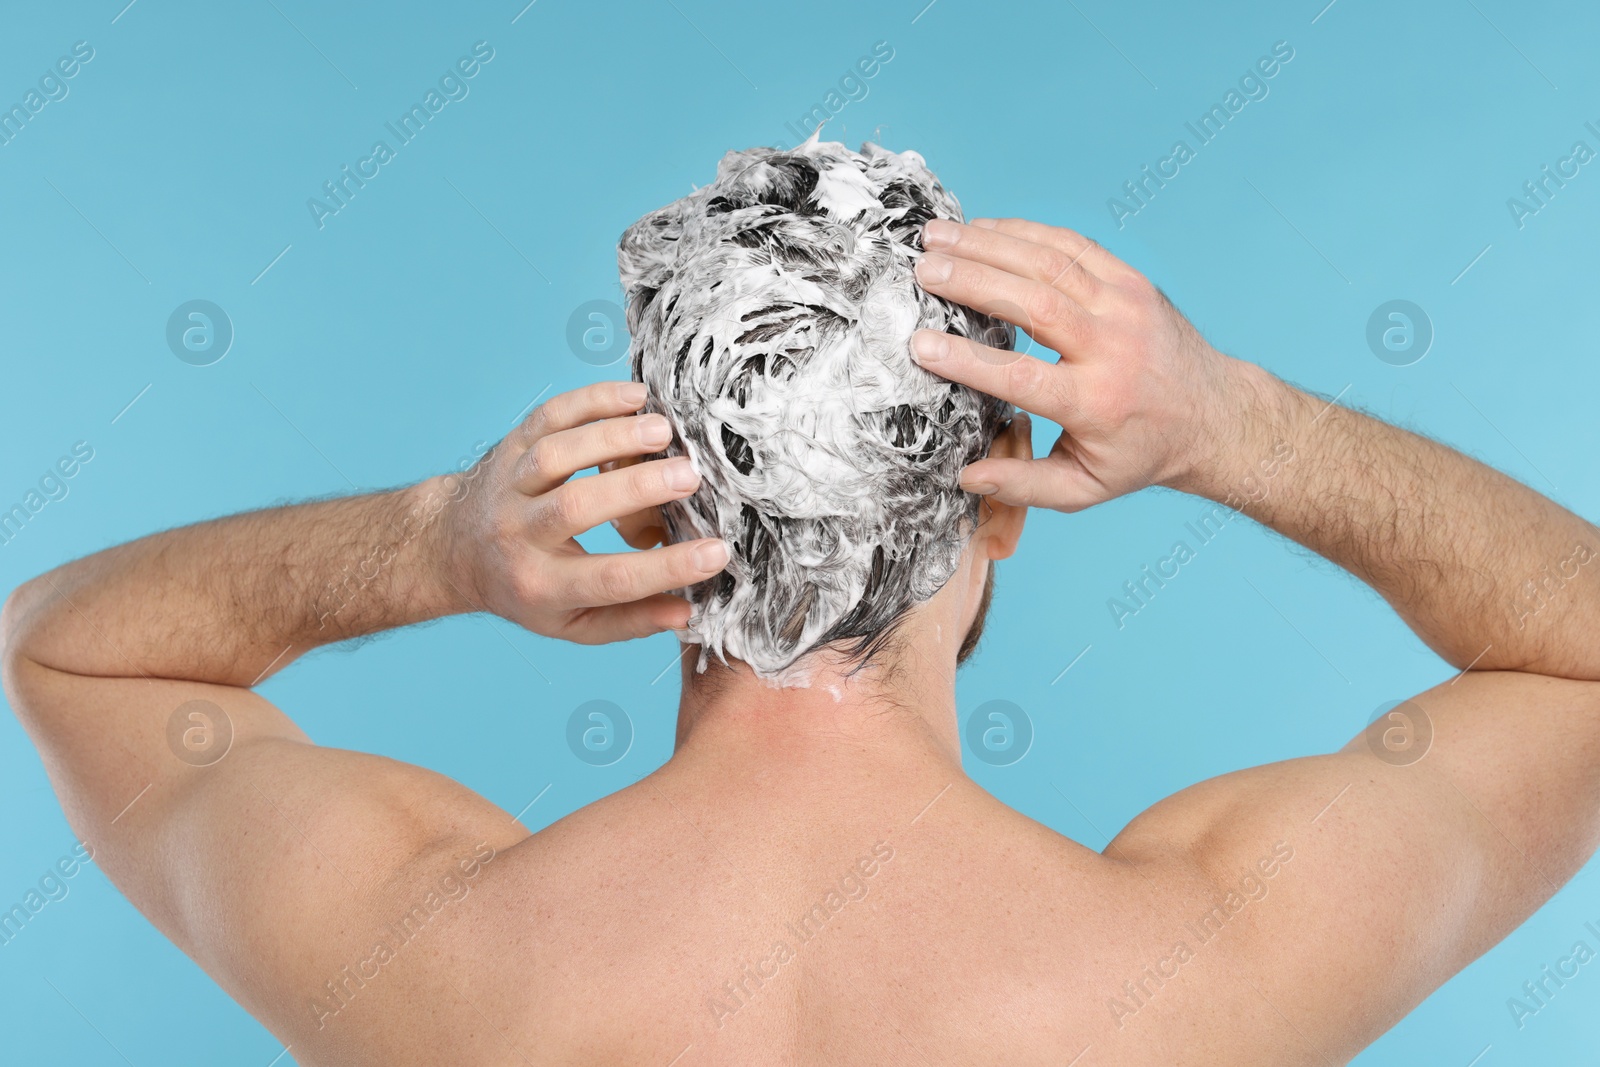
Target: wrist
x=443 y=580
x=1246 y=430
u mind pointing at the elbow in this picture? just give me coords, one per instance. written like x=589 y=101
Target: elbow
x=16 y=634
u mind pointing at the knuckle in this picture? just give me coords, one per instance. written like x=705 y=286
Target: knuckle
x=1044 y=307
x=1146 y=307
x=626 y=435
x=1027 y=380
x=613 y=580
x=545 y=456
x=1055 y=263
x=1082 y=277
x=530 y=429
x=964 y=276
x=684 y=571
x=622 y=435
x=650 y=483
x=1076 y=333
x=533 y=463
x=646 y=481
x=557 y=508
x=548 y=414
x=1084 y=241
x=1143 y=290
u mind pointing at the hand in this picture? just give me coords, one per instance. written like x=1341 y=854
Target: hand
x=508 y=539
x=1138 y=392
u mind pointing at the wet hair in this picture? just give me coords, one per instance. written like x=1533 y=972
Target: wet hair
x=770 y=316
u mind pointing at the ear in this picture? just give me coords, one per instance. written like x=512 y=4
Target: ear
x=644 y=528
x=1000 y=524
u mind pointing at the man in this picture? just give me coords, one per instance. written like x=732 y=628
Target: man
x=811 y=878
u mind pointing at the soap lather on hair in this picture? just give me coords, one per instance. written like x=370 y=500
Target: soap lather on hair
x=770 y=316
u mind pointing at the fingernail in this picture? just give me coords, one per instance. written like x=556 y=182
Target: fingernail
x=929 y=346
x=680 y=474
x=654 y=430
x=981 y=488
x=933 y=268
x=940 y=233
x=987 y=224
x=633 y=393
x=710 y=556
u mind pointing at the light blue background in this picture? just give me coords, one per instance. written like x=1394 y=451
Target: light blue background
x=433 y=309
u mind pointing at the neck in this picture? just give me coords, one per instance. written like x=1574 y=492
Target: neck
x=898 y=710
x=862 y=733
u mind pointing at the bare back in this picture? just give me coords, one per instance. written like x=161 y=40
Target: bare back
x=885 y=909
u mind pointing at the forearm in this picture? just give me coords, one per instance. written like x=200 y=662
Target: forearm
x=232 y=600
x=1488 y=572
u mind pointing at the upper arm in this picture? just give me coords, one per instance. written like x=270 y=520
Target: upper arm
x=1403 y=869
x=261 y=855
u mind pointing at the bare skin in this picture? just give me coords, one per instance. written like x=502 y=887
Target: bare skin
x=646 y=927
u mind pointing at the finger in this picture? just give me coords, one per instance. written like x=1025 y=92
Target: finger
x=590 y=581
x=642 y=529
x=1044 y=312
x=624 y=622
x=1029 y=383
x=1025 y=258
x=642 y=536
x=1051 y=482
x=1093 y=253
x=600 y=400
x=555 y=457
x=570 y=509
